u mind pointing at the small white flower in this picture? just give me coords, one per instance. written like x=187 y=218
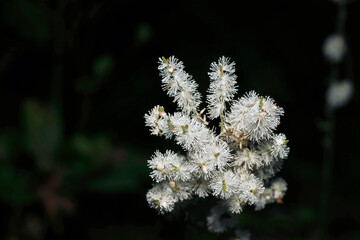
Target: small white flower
x=180 y=169
x=334 y=48
x=172 y=63
x=156 y=120
x=219 y=220
x=279 y=187
x=189 y=133
x=225 y=184
x=251 y=187
x=201 y=188
x=182 y=190
x=256 y=116
x=159 y=164
x=161 y=198
x=218 y=154
x=339 y=93
x=234 y=204
x=203 y=167
x=264 y=198
x=279 y=148
x=247 y=158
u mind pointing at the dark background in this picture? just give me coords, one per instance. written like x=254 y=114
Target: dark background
x=77 y=77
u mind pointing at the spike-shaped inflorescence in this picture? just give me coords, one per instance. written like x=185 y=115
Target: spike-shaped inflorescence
x=235 y=165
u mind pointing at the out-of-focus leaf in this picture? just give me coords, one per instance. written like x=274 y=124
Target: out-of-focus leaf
x=95 y=9
x=103 y=66
x=13 y=188
x=143 y=33
x=6 y=60
x=42 y=127
x=7 y=142
x=306 y=214
x=86 y=85
x=91 y=149
x=127 y=231
x=54 y=202
x=126 y=176
x=28 y=19
x=89 y=161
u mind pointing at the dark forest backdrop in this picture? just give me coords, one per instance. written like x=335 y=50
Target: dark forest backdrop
x=76 y=78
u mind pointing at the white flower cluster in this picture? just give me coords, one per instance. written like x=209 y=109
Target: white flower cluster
x=235 y=165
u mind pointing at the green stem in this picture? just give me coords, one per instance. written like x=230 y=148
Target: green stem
x=329 y=136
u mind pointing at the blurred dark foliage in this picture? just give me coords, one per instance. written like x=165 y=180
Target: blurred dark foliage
x=76 y=78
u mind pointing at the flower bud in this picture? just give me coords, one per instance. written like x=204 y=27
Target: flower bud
x=204 y=169
x=162 y=114
x=172 y=184
x=160 y=167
